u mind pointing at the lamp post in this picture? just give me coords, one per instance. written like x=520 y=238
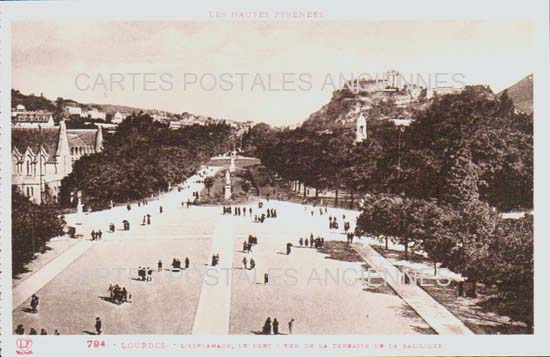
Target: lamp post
x=400 y=130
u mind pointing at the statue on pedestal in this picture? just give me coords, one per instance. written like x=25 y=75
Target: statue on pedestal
x=360 y=129
x=79 y=205
x=227 y=187
x=227 y=178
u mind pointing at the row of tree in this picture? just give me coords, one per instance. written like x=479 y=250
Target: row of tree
x=419 y=160
x=32 y=227
x=435 y=186
x=140 y=159
x=469 y=238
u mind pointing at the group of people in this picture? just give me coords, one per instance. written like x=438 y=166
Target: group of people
x=247 y=247
x=176 y=264
x=252 y=264
x=270 y=213
x=247 y=244
x=274 y=326
x=145 y=274
x=333 y=224
x=97 y=235
x=236 y=211
x=118 y=295
x=146 y=220
x=312 y=242
x=196 y=195
x=20 y=330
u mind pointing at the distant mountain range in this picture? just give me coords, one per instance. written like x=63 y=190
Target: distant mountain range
x=521 y=94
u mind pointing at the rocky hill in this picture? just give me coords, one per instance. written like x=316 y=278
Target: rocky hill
x=387 y=99
x=378 y=99
x=521 y=94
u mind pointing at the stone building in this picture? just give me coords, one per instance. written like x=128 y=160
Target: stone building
x=42 y=157
x=20 y=117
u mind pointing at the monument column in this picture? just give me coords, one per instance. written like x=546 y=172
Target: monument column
x=227 y=188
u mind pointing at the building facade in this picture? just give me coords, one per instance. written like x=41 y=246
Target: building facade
x=20 y=117
x=42 y=157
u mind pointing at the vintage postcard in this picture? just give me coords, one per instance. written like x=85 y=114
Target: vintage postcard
x=234 y=179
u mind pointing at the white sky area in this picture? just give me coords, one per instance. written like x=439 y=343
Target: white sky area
x=284 y=66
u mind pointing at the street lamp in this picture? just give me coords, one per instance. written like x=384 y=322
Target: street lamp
x=400 y=130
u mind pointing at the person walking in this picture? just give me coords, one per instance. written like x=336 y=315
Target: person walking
x=290 y=326
x=98 y=325
x=266 y=278
x=275 y=326
x=267 y=327
x=159 y=264
x=34 y=303
x=244 y=263
x=186 y=263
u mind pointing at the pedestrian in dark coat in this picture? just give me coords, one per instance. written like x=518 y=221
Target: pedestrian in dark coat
x=267 y=327
x=275 y=327
x=98 y=325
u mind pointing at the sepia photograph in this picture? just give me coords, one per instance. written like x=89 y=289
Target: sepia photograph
x=263 y=173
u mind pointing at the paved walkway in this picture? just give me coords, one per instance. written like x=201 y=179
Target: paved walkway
x=43 y=276
x=435 y=314
x=212 y=316
x=38 y=280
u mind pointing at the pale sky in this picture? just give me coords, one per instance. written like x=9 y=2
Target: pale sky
x=76 y=60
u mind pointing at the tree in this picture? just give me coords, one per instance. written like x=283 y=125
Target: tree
x=32 y=227
x=511 y=266
x=142 y=158
x=208 y=184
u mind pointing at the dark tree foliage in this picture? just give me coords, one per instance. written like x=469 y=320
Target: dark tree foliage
x=435 y=186
x=32 y=227
x=511 y=267
x=499 y=143
x=142 y=158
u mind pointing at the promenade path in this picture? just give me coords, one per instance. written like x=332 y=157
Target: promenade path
x=86 y=222
x=212 y=316
x=435 y=314
x=226 y=299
